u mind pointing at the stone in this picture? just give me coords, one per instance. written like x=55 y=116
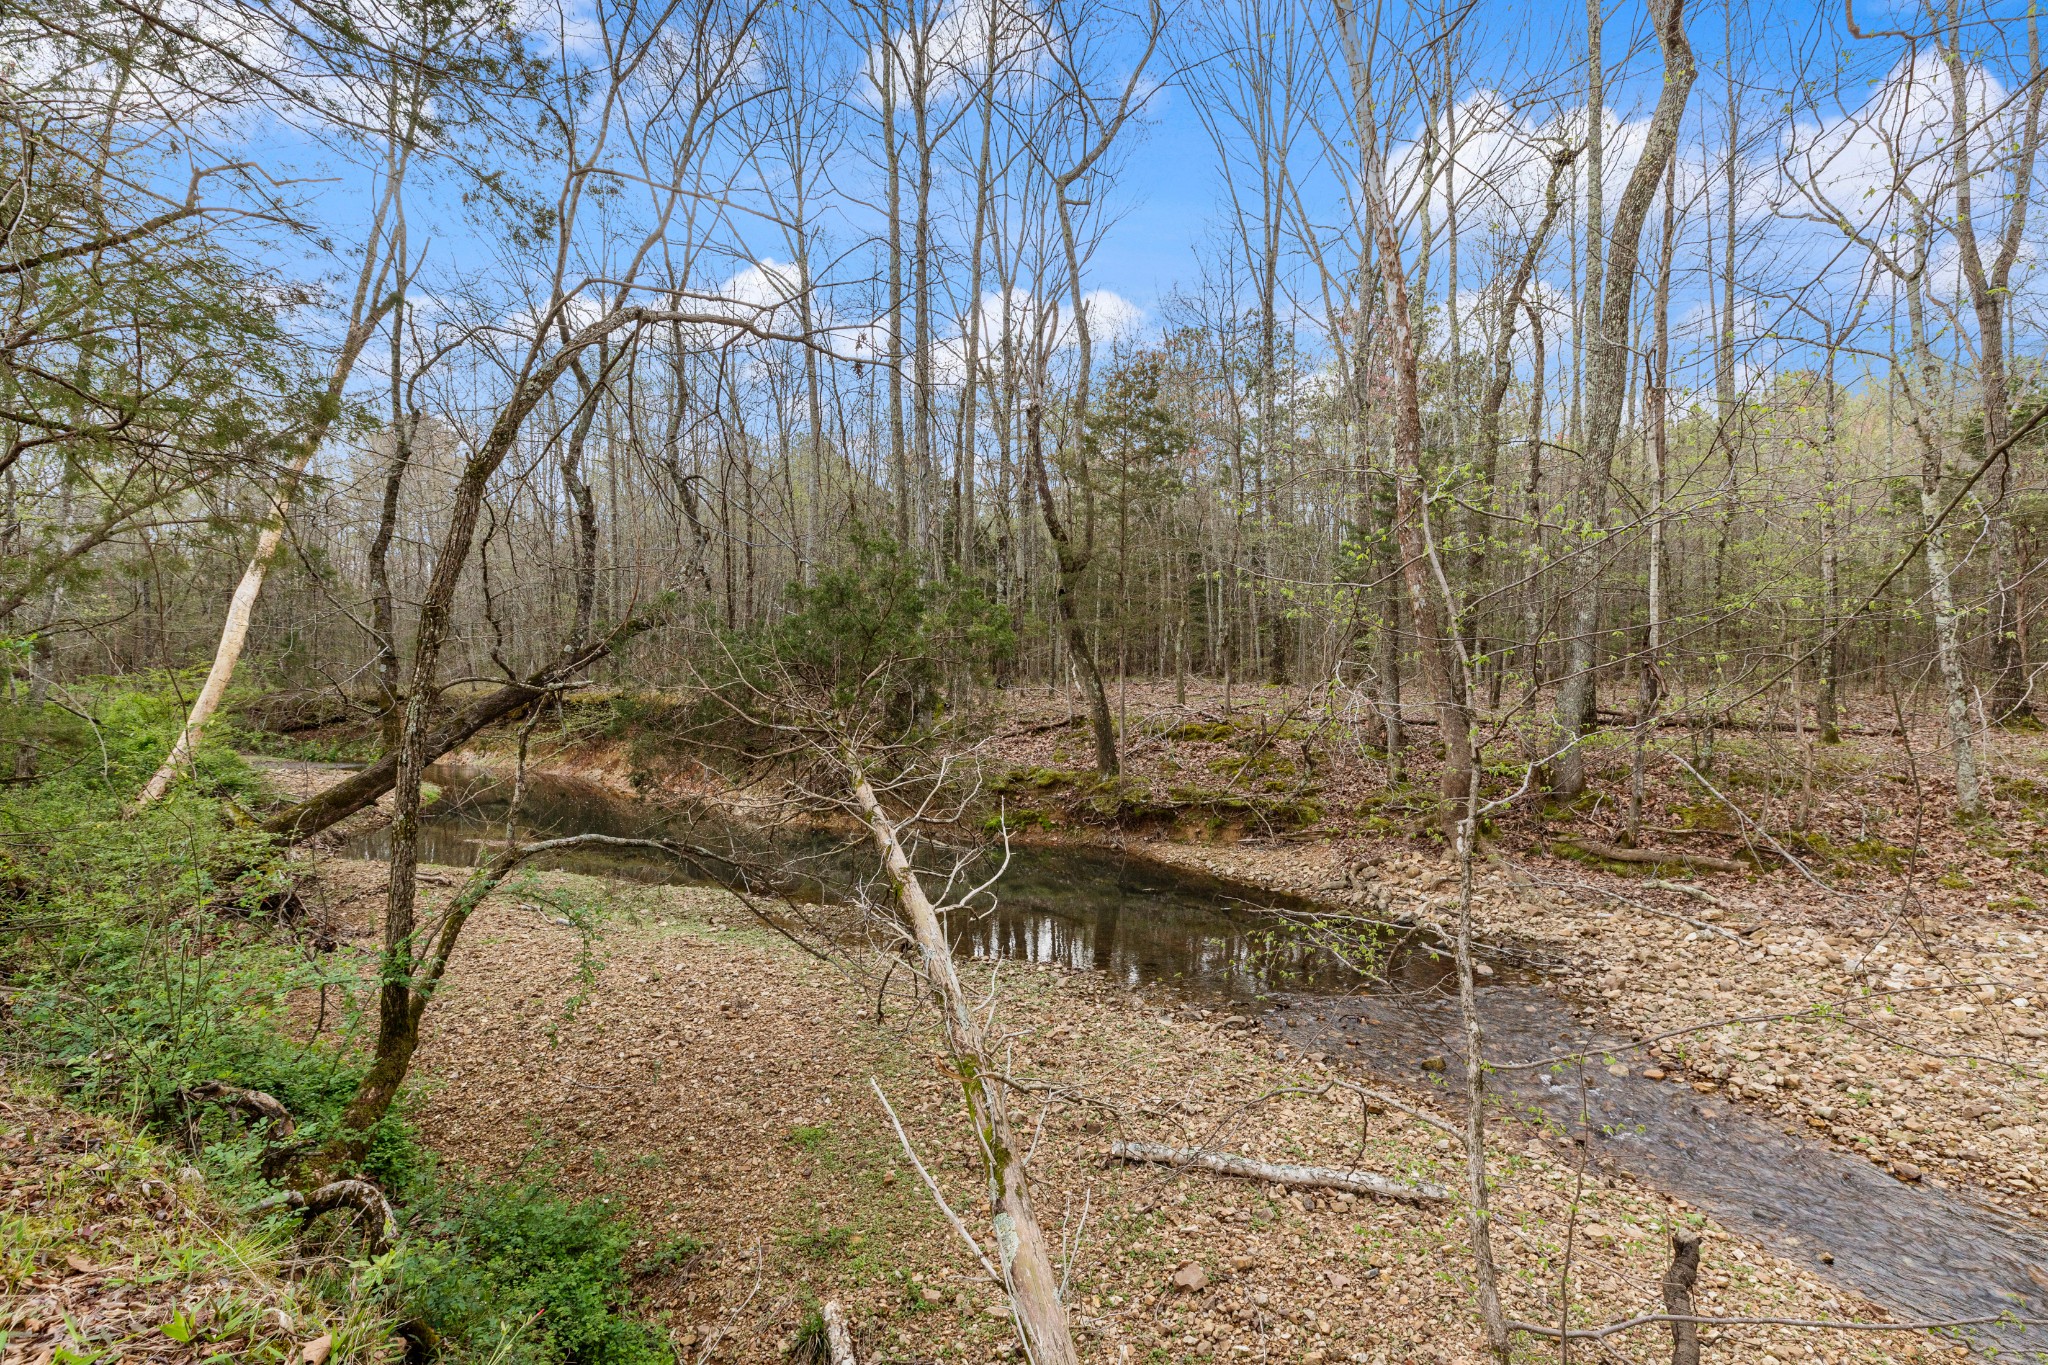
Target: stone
x=1655 y=1073
x=1906 y=1170
x=1191 y=1277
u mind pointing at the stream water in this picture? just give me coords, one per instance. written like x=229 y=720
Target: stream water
x=1921 y=1251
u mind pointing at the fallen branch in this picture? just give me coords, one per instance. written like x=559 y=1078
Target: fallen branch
x=838 y=1337
x=1687 y=889
x=1678 y=1286
x=938 y=1195
x=1616 y=853
x=359 y=1195
x=1278 y=1173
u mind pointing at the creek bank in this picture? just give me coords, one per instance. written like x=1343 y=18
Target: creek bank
x=701 y=1070
x=1936 y=1078
x=1139 y=922
x=1939 y=1079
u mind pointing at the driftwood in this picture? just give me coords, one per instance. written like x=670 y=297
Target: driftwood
x=359 y=1195
x=838 y=1336
x=1279 y=1173
x=1616 y=853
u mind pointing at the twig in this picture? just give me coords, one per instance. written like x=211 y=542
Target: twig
x=938 y=1196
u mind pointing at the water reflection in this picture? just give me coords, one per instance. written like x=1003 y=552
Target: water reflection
x=1137 y=921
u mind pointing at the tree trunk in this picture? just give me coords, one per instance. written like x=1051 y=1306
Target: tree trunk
x=1071 y=566
x=1028 y=1271
x=381 y=255
x=2008 y=702
x=1608 y=369
x=1827 y=710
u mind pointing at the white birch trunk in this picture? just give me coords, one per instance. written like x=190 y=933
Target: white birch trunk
x=234 y=634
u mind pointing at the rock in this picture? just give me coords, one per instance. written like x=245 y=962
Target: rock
x=1655 y=1073
x=1191 y=1277
x=1906 y=1170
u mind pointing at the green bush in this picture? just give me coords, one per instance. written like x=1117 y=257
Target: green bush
x=145 y=954
x=518 y=1273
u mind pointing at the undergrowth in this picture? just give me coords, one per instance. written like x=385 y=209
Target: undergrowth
x=146 y=952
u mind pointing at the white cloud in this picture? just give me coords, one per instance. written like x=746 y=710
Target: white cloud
x=1855 y=167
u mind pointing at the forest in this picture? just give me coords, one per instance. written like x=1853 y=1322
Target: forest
x=954 y=680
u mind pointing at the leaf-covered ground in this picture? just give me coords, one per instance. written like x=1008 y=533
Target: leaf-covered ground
x=693 y=1066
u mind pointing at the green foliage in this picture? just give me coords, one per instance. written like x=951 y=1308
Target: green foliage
x=869 y=650
x=811 y=1137
x=879 y=636
x=1133 y=435
x=148 y=951
x=670 y=1255
x=517 y=1273
x=810 y=1346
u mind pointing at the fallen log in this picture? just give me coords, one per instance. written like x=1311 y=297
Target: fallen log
x=367 y=785
x=1616 y=853
x=1278 y=1173
x=255 y=1104
x=838 y=1336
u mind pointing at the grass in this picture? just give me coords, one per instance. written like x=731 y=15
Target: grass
x=112 y=1246
x=825 y=1244
x=142 y=956
x=812 y=1137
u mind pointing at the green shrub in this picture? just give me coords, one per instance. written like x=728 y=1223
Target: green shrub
x=145 y=953
x=518 y=1273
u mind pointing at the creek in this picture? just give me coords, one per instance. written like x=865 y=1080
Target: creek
x=1921 y=1251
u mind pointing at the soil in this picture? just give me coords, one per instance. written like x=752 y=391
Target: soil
x=1900 y=955
x=690 y=1063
